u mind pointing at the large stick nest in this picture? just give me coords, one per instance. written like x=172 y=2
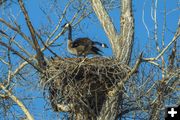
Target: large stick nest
x=81 y=82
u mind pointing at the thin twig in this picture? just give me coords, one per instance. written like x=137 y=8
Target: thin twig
x=176 y=36
x=40 y=55
x=16 y=30
x=18 y=102
x=21 y=56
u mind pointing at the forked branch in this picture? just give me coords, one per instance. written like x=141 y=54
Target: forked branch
x=40 y=55
x=18 y=102
x=176 y=36
x=21 y=56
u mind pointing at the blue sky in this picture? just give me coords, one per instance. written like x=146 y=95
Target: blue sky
x=91 y=28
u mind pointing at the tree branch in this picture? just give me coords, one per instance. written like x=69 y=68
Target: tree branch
x=176 y=36
x=106 y=22
x=127 y=32
x=16 y=30
x=120 y=84
x=18 y=102
x=21 y=56
x=40 y=55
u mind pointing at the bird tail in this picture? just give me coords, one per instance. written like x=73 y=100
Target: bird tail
x=96 y=50
x=101 y=44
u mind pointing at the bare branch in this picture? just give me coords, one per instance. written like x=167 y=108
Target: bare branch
x=3 y=61
x=122 y=82
x=144 y=23
x=172 y=58
x=46 y=46
x=18 y=102
x=16 y=30
x=176 y=36
x=21 y=56
x=106 y=22
x=18 y=45
x=126 y=37
x=59 y=22
x=40 y=55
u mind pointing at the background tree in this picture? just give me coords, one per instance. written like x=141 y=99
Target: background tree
x=26 y=41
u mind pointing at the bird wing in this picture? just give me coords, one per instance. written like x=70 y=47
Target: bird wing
x=82 y=42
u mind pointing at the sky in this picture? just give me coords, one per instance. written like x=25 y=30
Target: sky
x=90 y=27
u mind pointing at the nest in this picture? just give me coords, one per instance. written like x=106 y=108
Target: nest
x=84 y=83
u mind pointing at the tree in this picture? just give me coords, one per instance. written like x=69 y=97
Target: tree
x=139 y=93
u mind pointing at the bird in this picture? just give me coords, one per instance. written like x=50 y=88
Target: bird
x=82 y=46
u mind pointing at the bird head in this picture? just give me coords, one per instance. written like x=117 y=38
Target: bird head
x=66 y=25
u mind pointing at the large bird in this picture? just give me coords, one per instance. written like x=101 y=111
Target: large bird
x=82 y=46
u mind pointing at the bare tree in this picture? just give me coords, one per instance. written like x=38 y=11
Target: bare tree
x=98 y=88
x=18 y=47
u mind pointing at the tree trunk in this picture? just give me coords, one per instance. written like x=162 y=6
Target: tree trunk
x=121 y=43
x=121 y=46
x=126 y=37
